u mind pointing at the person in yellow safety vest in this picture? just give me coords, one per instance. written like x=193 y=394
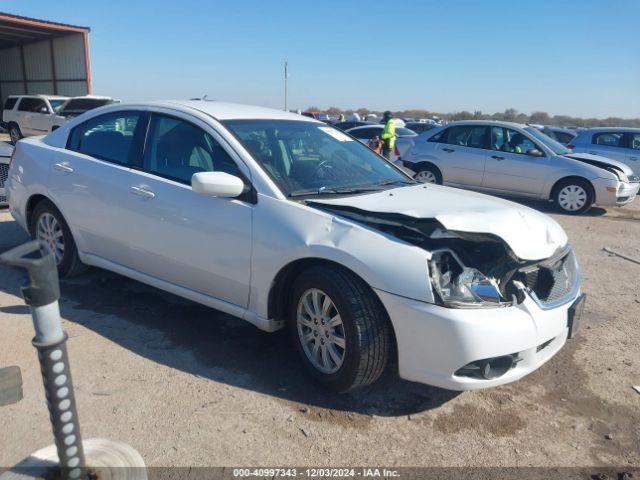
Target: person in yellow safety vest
x=388 y=135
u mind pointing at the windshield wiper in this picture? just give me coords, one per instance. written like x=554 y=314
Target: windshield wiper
x=333 y=191
x=394 y=182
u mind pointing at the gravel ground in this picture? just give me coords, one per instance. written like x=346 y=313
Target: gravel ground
x=186 y=385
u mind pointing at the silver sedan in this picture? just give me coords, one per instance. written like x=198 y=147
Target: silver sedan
x=513 y=159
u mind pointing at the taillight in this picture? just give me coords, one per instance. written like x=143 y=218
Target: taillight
x=395 y=151
x=571 y=147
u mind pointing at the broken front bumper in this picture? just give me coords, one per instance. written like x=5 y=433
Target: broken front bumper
x=614 y=193
x=435 y=342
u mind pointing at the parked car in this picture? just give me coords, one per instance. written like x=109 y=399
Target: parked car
x=5 y=157
x=512 y=159
x=404 y=137
x=559 y=134
x=26 y=115
x=420 y=127
x=622 y=144
x=287 y=222
x=352 y=124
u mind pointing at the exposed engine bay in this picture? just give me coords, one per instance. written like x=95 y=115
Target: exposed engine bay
x=620 y=175
x=468 y=269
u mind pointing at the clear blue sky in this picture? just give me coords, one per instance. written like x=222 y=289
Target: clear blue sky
x=576 y=57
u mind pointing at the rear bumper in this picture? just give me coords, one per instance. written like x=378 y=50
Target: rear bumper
x=435 y=342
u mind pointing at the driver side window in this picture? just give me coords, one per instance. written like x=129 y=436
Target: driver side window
x=511 y=141
x=176 y=149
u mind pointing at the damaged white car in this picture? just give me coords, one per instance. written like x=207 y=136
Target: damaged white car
x=287 y=222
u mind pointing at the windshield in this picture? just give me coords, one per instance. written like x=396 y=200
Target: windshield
x=557 y=148
x=56 y=103
x=307 y=158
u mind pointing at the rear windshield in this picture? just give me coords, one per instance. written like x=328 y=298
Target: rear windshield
x=85 y=104
x=405 y=132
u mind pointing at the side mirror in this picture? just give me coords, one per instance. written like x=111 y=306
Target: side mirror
x=43 y=110
x=534 y=152
x=218 y=184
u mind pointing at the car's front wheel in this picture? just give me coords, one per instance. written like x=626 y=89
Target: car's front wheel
x=48 y=226
x=339 y=327
x=14 y=133
x=573 y=196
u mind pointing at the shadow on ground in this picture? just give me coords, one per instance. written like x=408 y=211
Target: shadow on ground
x=545 y=206
x=210 y=344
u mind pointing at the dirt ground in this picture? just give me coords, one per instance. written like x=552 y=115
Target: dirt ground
x=186 y=385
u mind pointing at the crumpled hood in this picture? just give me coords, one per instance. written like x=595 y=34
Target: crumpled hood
x=531 y=235
x=589 y=157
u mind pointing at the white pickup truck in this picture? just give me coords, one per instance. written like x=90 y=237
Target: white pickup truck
x=27 y=115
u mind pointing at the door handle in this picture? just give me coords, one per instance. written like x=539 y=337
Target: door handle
x=63 y=167
x=593 y=153
x=448 y=149
x=142 y=191
x=497 y=157
x=633 y=158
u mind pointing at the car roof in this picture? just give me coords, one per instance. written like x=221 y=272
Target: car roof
x=50 y=97
x=230 y=111
x=496 y=123
x=610 y=129
x=362 y=127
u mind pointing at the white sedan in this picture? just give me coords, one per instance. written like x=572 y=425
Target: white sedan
x=284 y=221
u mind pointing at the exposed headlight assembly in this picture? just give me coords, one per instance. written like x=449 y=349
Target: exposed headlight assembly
x=459 y=286
x=620 y=175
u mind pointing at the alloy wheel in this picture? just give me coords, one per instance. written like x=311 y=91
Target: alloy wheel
x=321 y=331
x=426 y=176
x=572 y=198
x=49 y=230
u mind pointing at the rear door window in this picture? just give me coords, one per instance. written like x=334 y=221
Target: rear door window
x=33 y=105
x=473 y=136
x=10 y=103
x=109 y=137
x=609 y=139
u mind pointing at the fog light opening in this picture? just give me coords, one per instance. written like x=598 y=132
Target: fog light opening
x=489 y=368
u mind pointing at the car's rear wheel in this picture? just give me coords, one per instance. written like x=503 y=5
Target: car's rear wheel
x=14 y=133
x=49 y=226
x=428 y=174
x=339 y=327
x=573 y=196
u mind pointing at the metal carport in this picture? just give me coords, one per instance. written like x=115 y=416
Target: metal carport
x=42 y=57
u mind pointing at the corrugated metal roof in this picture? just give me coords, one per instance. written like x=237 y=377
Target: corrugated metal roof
x=18 y=30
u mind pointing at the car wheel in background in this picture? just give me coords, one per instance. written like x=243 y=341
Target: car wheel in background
x=428 y=174
x=14 y=133
x=573 y=196
x=48 y=226
x=339 y=328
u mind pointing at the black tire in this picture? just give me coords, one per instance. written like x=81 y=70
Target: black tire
x=585 y=195
x=365 y=324
x=14 y=133
x=430 y=171
x=70 y=264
